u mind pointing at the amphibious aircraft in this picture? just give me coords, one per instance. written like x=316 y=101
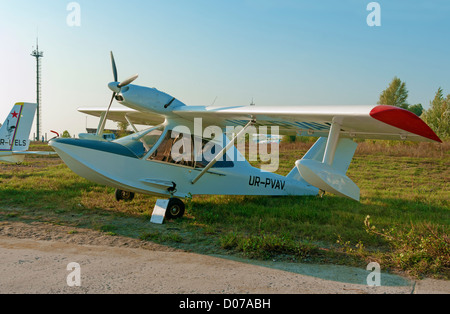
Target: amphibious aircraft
x=15 y=132
x=144 y=162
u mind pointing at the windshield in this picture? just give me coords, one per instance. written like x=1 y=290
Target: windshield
x=142 y=142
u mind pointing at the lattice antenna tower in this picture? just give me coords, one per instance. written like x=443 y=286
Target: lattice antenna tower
x=38 y=55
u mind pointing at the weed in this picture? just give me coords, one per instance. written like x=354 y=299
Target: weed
x=349 y=248
x=424 y=249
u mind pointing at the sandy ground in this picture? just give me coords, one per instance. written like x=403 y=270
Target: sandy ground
x=34 y=259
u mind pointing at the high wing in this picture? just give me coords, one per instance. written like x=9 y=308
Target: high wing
x=366 y=122
x=381 y=122
x=121 y=115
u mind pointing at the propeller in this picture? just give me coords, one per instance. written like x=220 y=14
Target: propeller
x=114 y=67
x=116 y=87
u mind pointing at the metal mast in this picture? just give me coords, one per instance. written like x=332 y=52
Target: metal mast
x=38 y=55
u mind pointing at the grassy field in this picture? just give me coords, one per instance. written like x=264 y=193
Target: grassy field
x=402 y=221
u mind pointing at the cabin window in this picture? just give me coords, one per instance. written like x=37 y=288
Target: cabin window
x=178 y=148
x=208 y=152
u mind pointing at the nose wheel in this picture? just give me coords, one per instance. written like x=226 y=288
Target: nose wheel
x=124 y=196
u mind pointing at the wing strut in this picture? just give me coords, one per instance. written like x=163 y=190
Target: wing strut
x=131 y=123
x=222 y=152
x=101 y=124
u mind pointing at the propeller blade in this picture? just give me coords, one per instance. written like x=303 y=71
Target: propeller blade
x=128 y=81
x=101 y=129
x=116 y=90
x=112 y=99
x=113 y=62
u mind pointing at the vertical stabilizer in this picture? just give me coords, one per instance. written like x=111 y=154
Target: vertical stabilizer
x=15 y=131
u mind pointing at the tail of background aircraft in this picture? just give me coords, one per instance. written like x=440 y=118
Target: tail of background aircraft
x=15 y=133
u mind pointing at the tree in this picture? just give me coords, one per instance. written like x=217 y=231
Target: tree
x=123 y=128
x=66 y=134
x=417 y=109
x=395 y=95
x=438 y=116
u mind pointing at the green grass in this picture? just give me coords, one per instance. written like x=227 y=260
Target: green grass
x=404 y=189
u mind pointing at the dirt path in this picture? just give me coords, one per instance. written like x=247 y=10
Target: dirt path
x=34 y=259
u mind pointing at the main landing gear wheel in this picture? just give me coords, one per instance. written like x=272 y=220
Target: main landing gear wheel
x=175 y=209
x=124 y=196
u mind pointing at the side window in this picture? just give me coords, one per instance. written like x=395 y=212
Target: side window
x=150 y=139
x=162 y=153
x=182 y=150
x=176 y=148
x=209 y=151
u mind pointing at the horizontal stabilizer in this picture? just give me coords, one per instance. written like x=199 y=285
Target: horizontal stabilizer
x=40 y=153
x=326 y=178
x=13 y=159
x=19 y=156
x=330 y=178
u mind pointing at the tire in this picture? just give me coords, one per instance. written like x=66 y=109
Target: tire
x=175 y=209
x=124 y=196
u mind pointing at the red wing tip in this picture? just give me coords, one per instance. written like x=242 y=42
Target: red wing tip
x=405 y=120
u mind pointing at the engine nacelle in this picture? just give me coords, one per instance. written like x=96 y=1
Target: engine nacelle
x=146 y=99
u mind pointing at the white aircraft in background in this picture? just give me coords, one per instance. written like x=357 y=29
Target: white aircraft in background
x=15 y=133
x=143 y=162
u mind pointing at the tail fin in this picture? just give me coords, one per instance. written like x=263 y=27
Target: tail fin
x=331 y=178
x=15 y=131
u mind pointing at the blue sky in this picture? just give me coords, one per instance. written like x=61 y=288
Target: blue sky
x=287 y=52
